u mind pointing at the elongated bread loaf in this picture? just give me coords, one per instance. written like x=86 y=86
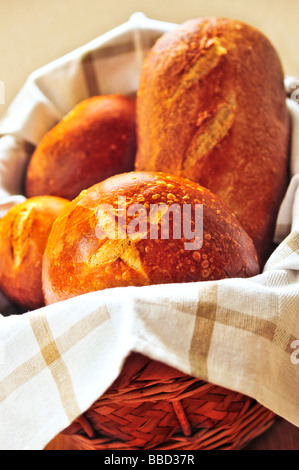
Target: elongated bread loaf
x=142 y=228
x=211 y=107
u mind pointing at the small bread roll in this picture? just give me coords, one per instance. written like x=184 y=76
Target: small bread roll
x=97 y=139
x=24 y=231
x=144 y=228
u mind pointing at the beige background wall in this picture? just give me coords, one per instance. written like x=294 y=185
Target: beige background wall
x=35 y=32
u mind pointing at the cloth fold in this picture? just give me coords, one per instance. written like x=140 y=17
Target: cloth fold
x=241 y=334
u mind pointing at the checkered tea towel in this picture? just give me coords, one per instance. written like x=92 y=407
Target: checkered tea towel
x=242 y=334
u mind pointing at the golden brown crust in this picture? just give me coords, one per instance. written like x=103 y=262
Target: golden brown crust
x=24 y=231
x=211 y=107
x=86 y=252
x=95 y=140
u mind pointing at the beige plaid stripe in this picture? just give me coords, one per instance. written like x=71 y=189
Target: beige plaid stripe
x=283 y=336
x=292 y=241
x=279 y=333
x=20 y=375
x=90 y=75
x=56 y=365
x=89 y=59
x=51 y=356
x=286 y=256
x=245 y=322
x=203 y=331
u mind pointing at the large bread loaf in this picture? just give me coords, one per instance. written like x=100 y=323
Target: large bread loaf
x=113 y=235
x=211 y=107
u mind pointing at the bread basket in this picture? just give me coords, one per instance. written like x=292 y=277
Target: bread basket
x=152 y=404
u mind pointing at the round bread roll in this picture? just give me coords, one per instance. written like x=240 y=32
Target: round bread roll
x=24 y=231
x=143 y=228
x=97 y=139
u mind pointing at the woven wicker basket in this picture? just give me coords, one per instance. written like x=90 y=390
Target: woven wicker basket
x=152 y=406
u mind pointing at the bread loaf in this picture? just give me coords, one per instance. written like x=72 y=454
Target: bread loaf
x=211 y=107
x=24 y=231
x=95 y=140
x=143 y=228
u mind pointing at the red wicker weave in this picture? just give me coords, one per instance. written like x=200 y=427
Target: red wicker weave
x=154 y=407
